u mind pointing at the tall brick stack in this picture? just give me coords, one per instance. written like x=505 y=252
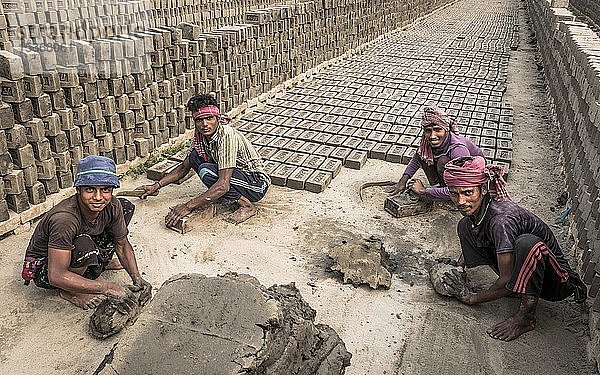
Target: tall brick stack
x=589 y=8
x=570 y=51
x=109 y=77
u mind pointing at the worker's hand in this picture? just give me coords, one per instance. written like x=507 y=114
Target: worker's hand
x=177 y=213
x=457 y=285
x=142 y=286
x=417 y=186
x=123 y=298
x=149 y=190
x=400 y=186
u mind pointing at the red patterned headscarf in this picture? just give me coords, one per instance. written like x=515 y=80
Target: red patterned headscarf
x=432 y=116
x=471 y=171
x=204 y=112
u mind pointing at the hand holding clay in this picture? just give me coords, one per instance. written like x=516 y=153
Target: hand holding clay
x=417 y=186
x=177 y=213
x=399 y=188
x=145 y=289
x=123 y=299
x=457 y=285
x=149 y=190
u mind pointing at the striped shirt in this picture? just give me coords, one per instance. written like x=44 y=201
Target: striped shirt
x=228 y=148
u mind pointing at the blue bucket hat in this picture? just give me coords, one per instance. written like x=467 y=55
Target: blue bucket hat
x=96 y=171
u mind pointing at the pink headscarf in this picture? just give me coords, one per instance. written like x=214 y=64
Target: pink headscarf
x=204 y=112
x=471 y=171
x=433 y=115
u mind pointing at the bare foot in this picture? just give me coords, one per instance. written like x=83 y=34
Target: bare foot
x=243 y=213
x=83 y=300
x=114 y=264
x=511 y=328
x=523 y=321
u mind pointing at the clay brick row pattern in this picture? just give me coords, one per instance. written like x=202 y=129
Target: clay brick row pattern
x=123 y=95
x=590 y=8
x=370 y=105
x=569 y=50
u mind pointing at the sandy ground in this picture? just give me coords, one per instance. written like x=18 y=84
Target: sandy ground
x=407 y=329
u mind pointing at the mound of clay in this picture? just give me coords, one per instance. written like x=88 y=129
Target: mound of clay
x=108 y=320
x=436 y=274
x=362 y=262
x=226 y=325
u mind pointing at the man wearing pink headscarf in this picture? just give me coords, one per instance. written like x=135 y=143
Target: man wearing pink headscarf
x=439 y=144
x=225 y=161
x=514 y=242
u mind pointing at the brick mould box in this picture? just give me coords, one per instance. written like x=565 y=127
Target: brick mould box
x=112 y=78
x=571 y=57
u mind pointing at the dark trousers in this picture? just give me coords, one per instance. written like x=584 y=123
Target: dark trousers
x=536 y=270
x=249 y=185
x=92 y=252
x=435 y=172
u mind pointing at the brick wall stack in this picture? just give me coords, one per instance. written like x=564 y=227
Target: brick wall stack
x=570 y=53
x=590 y=8
x=110 y=77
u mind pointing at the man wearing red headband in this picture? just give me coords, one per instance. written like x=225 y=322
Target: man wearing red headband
x=225 y=161
x=439 y=144
x=517 y=244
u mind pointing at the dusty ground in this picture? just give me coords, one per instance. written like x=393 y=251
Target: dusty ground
x=405 y=330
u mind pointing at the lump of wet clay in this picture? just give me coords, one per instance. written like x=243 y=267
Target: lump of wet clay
x=228 y=324
x=436 y=274
x=362 y=262
x=108 y=320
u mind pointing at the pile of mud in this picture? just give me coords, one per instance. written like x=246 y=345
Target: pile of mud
x=226 y=325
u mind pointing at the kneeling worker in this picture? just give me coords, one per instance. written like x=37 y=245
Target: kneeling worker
x=75 y=241
x=514 y=242
x=225 y=161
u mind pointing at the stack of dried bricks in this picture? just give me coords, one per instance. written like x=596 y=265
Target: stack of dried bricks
x=589 y=8
x=122 y=92
x=571 y=54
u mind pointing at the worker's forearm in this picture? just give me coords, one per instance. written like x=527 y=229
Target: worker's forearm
x=73 y=282
x=496 y=291
x=127 y=258
x=209 y=196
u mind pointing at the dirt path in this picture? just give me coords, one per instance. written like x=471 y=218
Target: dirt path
x=405 y=330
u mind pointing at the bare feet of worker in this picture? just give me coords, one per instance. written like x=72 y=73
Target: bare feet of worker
x=246 y=210
x=114 y=264
x=523 y=321
x=83 y=300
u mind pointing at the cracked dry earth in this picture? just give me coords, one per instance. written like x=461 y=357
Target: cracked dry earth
x=408 y=329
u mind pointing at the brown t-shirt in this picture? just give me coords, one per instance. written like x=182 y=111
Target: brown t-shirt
x=59 y=226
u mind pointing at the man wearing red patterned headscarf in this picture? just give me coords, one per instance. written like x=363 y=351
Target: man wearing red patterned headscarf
x=439 y=144
x=225 y=161
x=514 y=242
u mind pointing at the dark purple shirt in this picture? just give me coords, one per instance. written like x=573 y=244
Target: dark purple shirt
x=499 y=223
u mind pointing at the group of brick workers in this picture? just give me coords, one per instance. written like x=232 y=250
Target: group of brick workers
x=77 y=239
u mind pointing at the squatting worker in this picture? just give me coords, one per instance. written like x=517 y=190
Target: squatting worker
x=439 y=144
x=225 y=161
x=514 y=242
x=75 y=241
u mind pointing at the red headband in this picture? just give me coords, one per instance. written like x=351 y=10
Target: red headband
x=206 y=111
x=470 y=171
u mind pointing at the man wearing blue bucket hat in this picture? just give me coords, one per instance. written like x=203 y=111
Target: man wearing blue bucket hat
x=75 y=241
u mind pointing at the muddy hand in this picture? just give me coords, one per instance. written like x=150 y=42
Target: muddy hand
x=177 y=213
x=149 y=190
x=123 y=299
x=417 y=186
x=145 y=289
x=457 y=285
x=399 y=188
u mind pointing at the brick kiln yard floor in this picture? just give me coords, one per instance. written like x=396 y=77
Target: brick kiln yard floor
x=405 y=330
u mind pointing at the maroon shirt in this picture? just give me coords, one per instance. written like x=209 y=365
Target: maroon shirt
x=59 y=226
x=499 y=223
